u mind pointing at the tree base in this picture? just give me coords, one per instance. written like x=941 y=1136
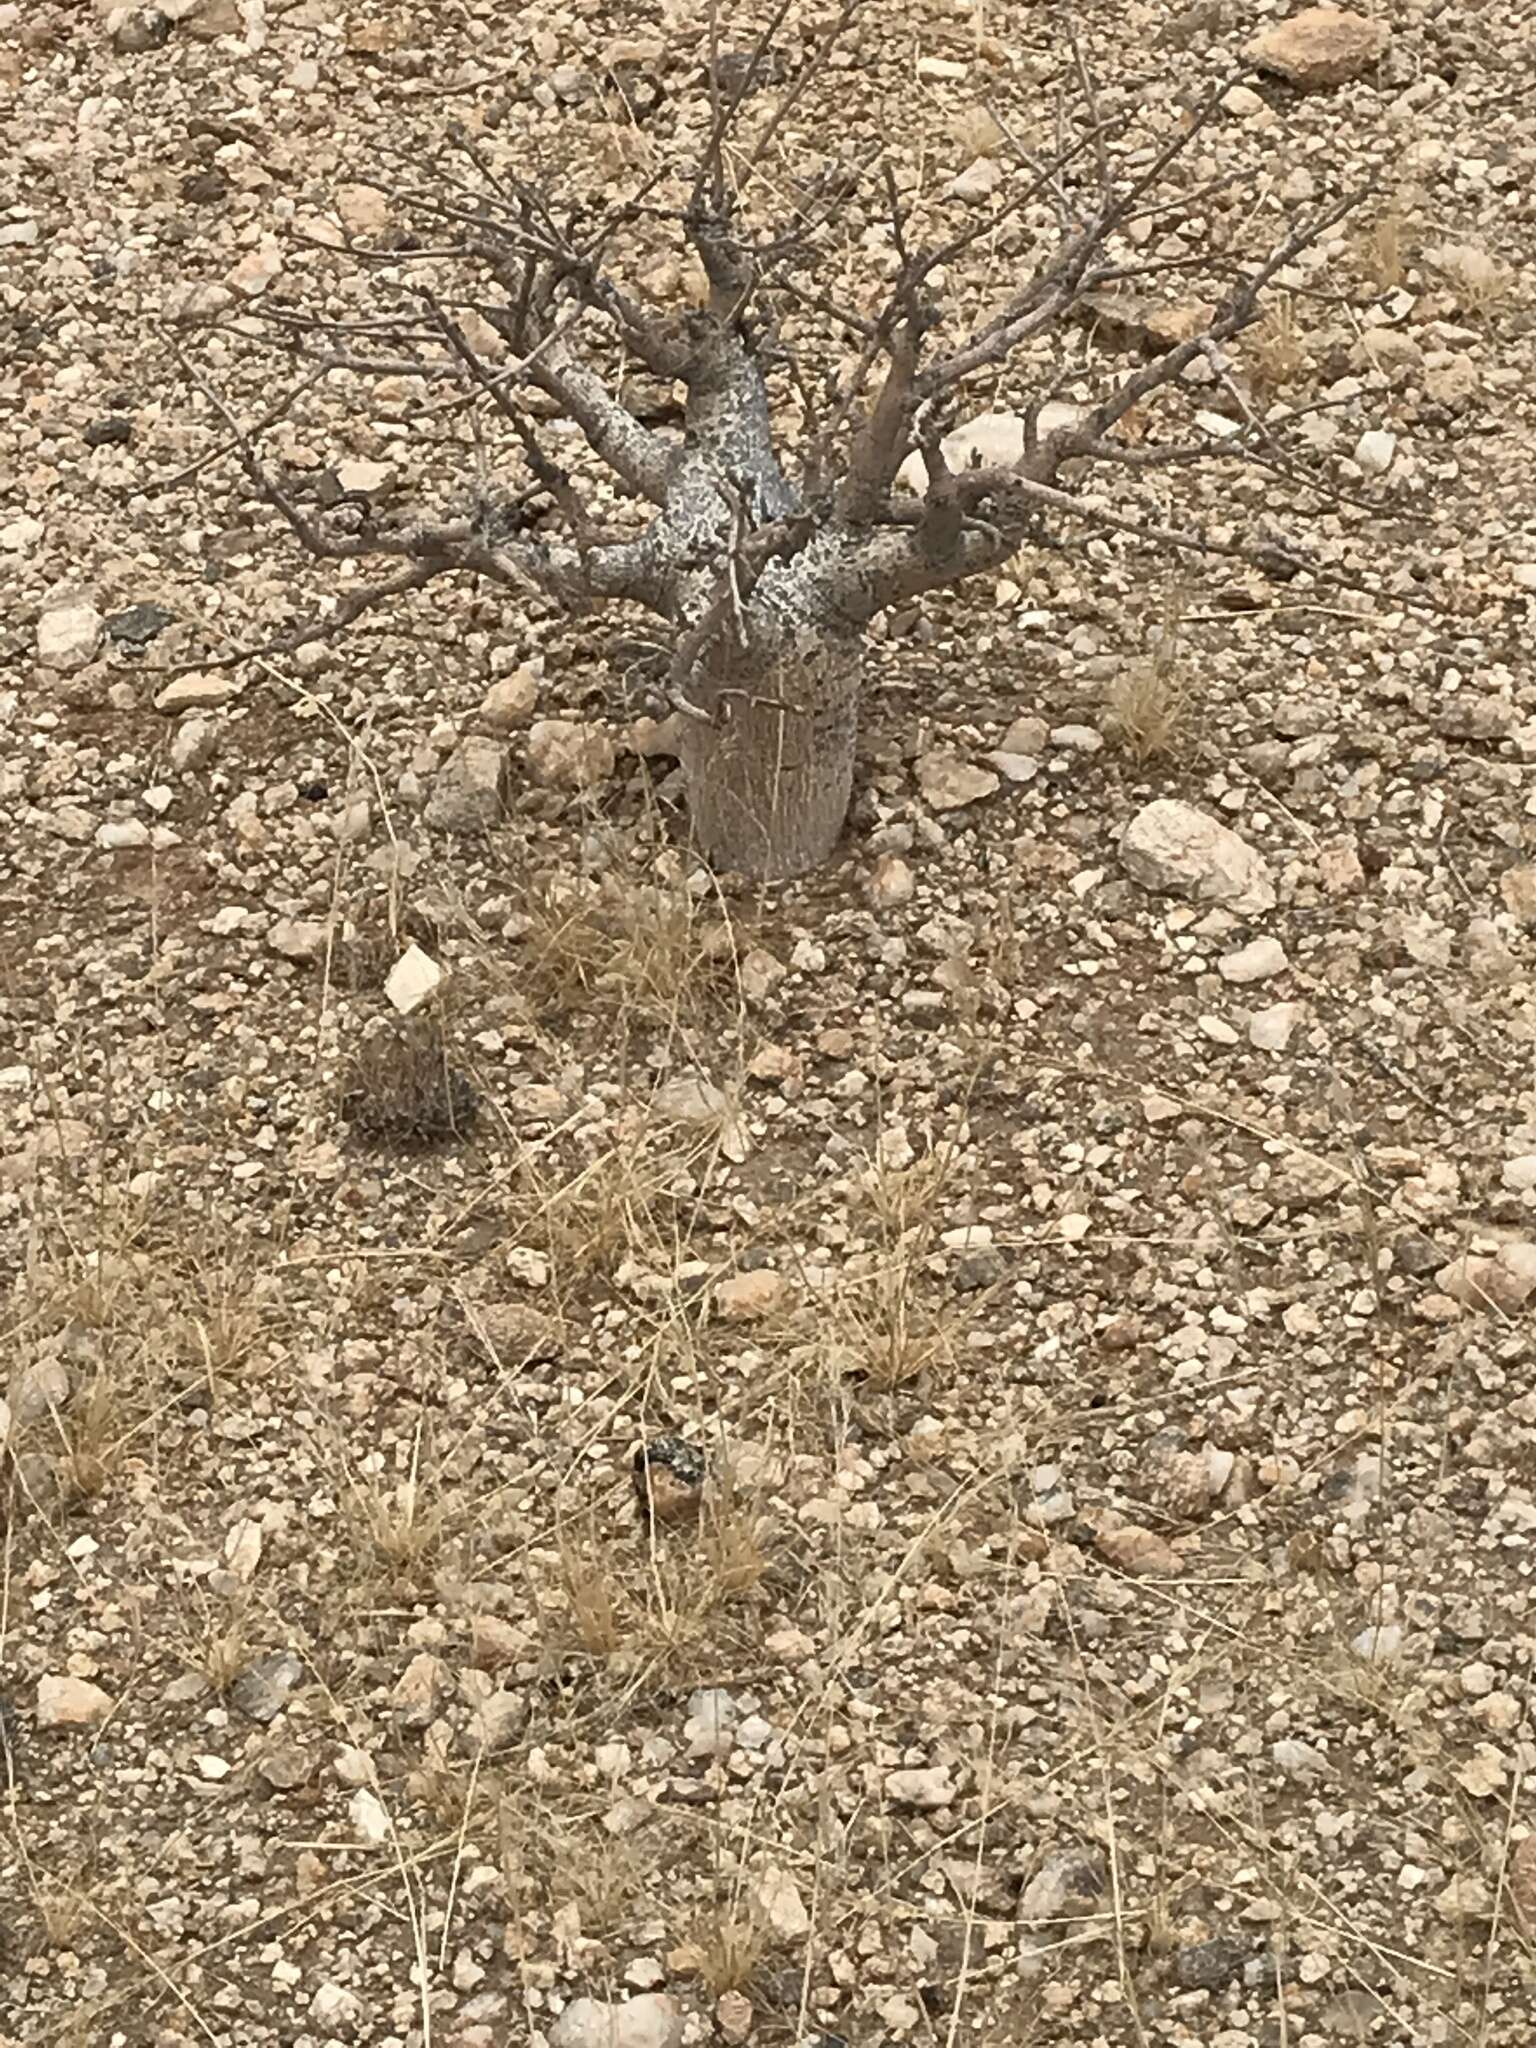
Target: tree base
x=770 y=772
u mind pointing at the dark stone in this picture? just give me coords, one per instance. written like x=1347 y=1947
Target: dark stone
x=145 y=29
x=137 y=626
x=205 y=188
x=112 y=432
x=1416 y=1255
x=262 y=1689
x=1210 y=1965
x=985 y=1267
x=669 y=1479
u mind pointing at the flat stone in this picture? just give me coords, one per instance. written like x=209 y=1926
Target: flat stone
x=564 y=755
x=652 y=2019
x=949 y=782
x=300 y=939
x=262 y=1690
x=68 y=636
x=977 y=182
x=467 y=795
x=195 y=693
x=1257 y=961
x=71 y=1703
x=1269 y=1030
x=139 y=624
x=1319 y=47
x=1173 y=848
x=924 y=1790
x=414 y=977
x=992 y=439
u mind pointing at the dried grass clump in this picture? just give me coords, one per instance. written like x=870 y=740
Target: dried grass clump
x=1153 y=698
x=400 y=1087
x=639 y=953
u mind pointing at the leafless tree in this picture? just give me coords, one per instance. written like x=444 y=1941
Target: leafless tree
x=768 y=553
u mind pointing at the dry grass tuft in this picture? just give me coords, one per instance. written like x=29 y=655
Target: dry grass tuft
x=1276 y=347
x=125 y=1310
x=401 y=1088
x=725 y=1949
x=593 y=1615
x=1154 y=697
x=399 y=1526
x=1381 y=250
x=1479 y=281
x=645 y=954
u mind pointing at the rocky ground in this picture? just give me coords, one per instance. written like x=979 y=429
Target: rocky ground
x=1064 y=1269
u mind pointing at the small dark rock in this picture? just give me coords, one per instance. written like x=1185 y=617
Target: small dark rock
x=1416 y=1255
x=205 y=188
x=262 y=1689
x=1209 y=1965
x=985 y=1267
x=145 y=29
x=137 y=626
x=112 y=432
x=669 y=1479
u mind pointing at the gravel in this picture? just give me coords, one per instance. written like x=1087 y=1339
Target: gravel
x=955 y=1439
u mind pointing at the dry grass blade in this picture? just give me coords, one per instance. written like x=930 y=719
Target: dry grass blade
x=1153 y=698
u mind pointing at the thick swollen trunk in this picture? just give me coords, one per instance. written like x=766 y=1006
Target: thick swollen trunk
x=770 y=769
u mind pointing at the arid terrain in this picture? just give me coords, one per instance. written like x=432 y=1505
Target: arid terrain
x=1066 y=1269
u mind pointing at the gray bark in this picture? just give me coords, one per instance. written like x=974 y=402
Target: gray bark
x=769 y=766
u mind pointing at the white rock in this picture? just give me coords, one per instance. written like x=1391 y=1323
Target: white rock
x=364 y=479
x=118 y=833
x=297 y=938
x=949 y=782
x=1270 y=1030
x=1520 y=1173
x=68 y=637
x=1374 y=452
x=781 y=1904
x=564 y=755
x=71 y=1703
x=1173 y=848
x=926 y=1790
x=20 y=535
x=414 y=977
x=353 y=822
x=992 y=438
x=195 y=693
x=710 y=1729
x=1013 y=768
x=1299 y=1759
x=1256 y=961
x=652 y=2020
x=1380 y=1643
x=336 y=2009
x=370 y=1823
x=976 y=182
